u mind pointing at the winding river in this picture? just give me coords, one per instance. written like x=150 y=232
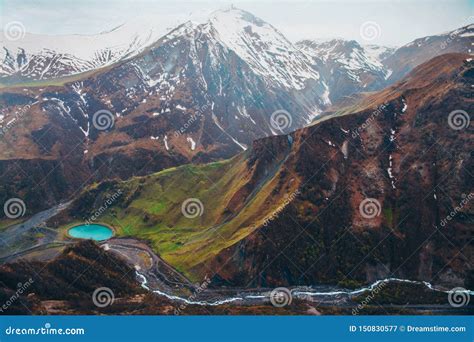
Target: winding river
x=301 y=293
x=130 y=249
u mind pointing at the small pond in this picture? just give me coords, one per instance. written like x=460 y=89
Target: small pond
x=95 y=232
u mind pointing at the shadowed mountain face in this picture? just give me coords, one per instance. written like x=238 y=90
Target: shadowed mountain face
x=66 y=283
x=376 y=188
x=85 y=279
x=201 y=93
x=363 y=194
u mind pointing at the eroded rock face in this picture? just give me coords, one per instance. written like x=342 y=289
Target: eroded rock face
x=382 y=192
x=195 y=95
x=401 y=158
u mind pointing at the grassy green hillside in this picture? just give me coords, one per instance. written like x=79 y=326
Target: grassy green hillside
x=150 y=208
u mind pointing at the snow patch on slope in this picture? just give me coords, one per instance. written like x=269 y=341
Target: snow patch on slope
x=262 y=46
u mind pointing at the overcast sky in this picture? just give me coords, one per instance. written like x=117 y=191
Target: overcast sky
x=400 y=21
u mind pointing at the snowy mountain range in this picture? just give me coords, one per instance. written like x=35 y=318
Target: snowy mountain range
x=42 y=57
x=407 y=57
x=341 y=67
x=200 y=93
x=347 y=66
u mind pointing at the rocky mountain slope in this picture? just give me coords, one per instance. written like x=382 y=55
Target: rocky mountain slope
x=86 y=279
x=349 y=68
x=66 y=283
x=405 y=58
x=201 y=93
x=363 y=194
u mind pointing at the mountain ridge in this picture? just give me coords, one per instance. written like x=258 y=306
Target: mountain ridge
x=180 y=100
x=126 y=40
x=188 y=97
x=271 y=195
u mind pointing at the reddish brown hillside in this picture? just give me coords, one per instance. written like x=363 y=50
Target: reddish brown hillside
x=405 y=156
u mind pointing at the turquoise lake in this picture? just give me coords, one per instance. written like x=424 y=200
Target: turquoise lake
x=91 y=232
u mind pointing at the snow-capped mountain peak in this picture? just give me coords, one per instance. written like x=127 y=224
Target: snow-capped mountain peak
x=264 y=48
x=260 y=45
